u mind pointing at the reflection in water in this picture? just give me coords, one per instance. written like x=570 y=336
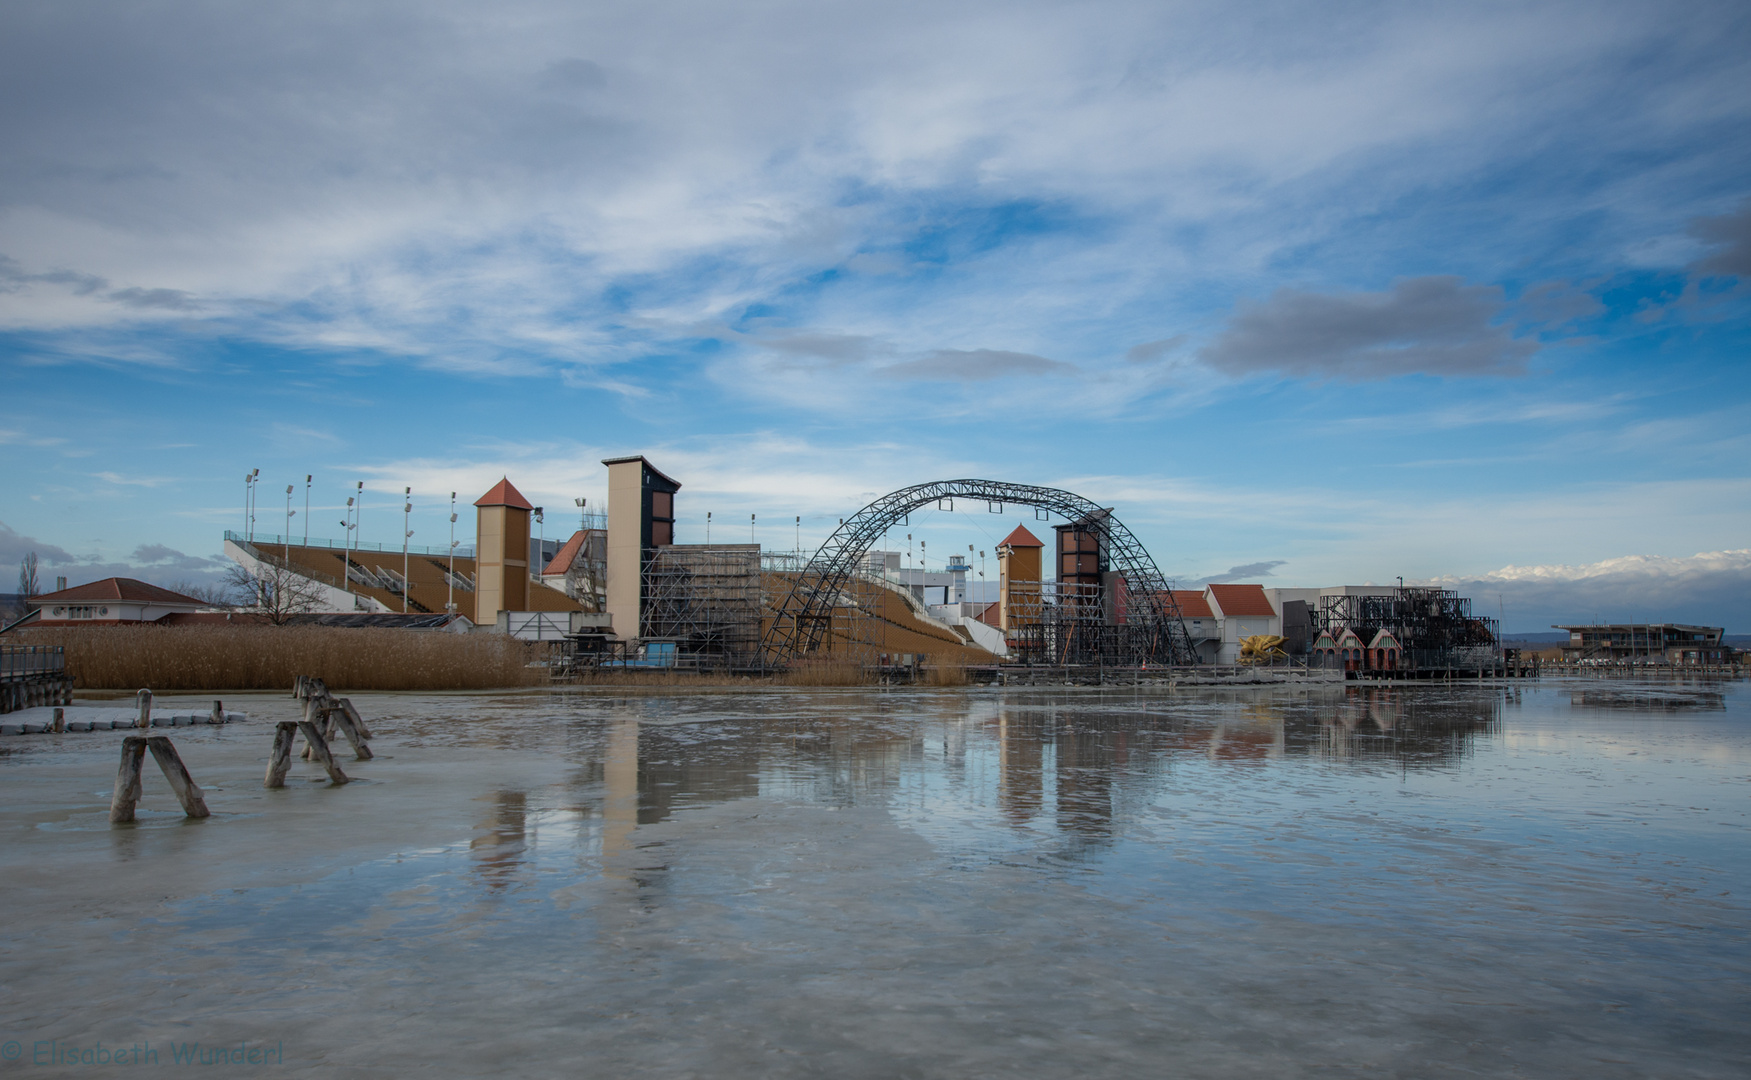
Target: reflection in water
x=620 y=777
x=500 y=840
x=1649 y=699
x=1410 y=729
x=1019 y=883
x=1067 y=765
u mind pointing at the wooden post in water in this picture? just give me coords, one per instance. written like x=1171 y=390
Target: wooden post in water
x=218 y=716
x=339 y=717
x=60 y=723
x=128 y=787
x=358 y=721
x=144 y=698
x=280 y=761
x=127 y=792
x=188 y=793
x=319 y=750
x=312 y=717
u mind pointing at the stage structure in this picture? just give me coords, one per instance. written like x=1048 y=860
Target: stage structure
x=1117 y=609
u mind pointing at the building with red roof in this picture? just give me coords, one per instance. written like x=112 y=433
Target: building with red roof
x=110 y=602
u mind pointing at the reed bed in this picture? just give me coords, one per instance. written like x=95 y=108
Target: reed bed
x=270 y=657
x=827 y=672
x=946 y=674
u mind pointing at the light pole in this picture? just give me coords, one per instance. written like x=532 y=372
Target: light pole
x=406 y=533
x=450 y=578
x=708 y=528
x=287 y=548
x=250 y=480
x=799 y=534
x=751 y=539
x=346 y=546
x=541 y=540
x=307 y=509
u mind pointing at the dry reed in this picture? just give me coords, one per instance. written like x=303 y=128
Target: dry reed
x=947 y=674
x=827 y=672
x=270 y=657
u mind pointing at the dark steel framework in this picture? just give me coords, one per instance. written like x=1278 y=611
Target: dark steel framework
x=1151 y=632
x=1435 y=628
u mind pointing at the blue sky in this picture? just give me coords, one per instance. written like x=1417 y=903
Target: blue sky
x=1328 y=293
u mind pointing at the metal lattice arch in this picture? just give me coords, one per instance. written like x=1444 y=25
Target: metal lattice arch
x=803 y=620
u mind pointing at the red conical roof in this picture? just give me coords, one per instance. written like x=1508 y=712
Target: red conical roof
x=503 y=494
x=1022 y=538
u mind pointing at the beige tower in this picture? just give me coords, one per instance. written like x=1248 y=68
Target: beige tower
x=1018 y=576
x=641 y=518
x=501 y=553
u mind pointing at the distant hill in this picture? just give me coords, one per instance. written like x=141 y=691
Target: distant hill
x=1548 y=637
x=1558 y=637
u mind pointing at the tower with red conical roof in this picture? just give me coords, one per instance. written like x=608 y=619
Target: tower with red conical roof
x=501 y=552
x=1018 y=576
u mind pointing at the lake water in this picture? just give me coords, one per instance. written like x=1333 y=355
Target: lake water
x=1522 y=879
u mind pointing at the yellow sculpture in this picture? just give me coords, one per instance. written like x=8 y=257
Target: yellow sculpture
x=1261 y=649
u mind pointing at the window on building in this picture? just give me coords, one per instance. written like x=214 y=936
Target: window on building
x=663 y=505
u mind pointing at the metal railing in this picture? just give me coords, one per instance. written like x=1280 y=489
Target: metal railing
x=265 y=540
x=23 y=661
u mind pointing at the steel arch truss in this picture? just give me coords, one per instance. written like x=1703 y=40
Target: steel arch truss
x=803 y=620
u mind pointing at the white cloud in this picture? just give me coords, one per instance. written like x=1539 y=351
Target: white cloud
x=1710 y=587
x=509 y=194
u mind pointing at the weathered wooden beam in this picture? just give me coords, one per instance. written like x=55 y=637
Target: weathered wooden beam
x=188 y=793
x=319 y=748
x=280 y=761
x=218 y=716
x=312 y=717
x=358 y=721
x=60 y=723
x=144 y=699
x=127 y=792
x=339 y=718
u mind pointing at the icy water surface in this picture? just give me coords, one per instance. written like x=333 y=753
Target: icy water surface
x=1533 y=879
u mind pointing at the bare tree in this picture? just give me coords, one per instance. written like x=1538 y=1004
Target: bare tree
x=274 y=591
x=27 y=583
x=222 y=594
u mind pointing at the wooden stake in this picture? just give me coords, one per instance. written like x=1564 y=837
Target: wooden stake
x=144 y=697
x=338 y=718
x=280 y=761
x=127 y=792
x=60 y=723
x=319 y=749
x=312 y=716
x=358 y=721
x=218 y=716
x=188 y=793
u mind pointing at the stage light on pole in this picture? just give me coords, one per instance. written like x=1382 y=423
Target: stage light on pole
x=450 y=578
x=406 y=509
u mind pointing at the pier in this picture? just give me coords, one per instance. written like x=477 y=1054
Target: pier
x=33 y=675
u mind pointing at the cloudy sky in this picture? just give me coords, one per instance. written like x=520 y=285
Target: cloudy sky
x=1309 y=293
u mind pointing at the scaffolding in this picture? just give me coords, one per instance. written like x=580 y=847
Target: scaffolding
x=1063 y=623
x=1435 y=628
x=706 y=601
